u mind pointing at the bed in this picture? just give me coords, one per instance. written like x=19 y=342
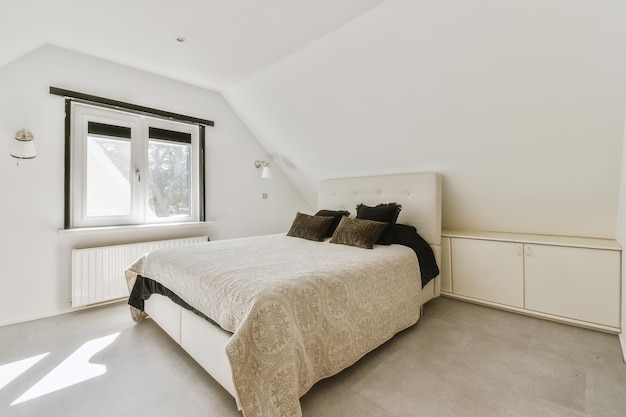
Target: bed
x=268 y=330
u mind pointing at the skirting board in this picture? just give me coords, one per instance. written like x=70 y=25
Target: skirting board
x=60 y=312
x=622 y=342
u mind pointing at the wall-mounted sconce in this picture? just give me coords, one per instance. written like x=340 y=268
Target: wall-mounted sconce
x=22 y=147
x=265 y=169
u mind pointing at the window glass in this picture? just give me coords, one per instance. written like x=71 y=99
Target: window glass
x=129 y=168
x=169 y=188
x=108 y=177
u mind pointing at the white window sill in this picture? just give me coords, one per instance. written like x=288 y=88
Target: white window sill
x=134 y=227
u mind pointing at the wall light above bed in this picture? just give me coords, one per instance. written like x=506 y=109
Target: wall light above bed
x=264 y=166
x=22 y=146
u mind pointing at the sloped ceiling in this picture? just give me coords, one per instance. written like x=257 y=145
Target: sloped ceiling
x=226 y=41
x=519 y=104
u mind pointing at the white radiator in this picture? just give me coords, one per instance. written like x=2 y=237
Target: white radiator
x=98 y=273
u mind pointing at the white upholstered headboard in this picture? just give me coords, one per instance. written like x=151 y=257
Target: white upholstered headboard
x=419 y=194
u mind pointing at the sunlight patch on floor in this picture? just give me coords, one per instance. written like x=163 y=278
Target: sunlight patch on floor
x=73 y=370
x=10 y=371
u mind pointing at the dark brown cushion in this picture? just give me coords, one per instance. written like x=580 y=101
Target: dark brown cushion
x=310 y=227
x=358 y=232
x=387 y=213
x=336 y=215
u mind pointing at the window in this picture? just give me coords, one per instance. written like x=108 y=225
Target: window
x=129 y=168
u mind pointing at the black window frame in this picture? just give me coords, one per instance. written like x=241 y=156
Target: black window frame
x=73 y=96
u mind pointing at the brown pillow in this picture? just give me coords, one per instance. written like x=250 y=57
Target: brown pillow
x=358 y=232
x=336 y=216
x=387 y=213
x=310 y=227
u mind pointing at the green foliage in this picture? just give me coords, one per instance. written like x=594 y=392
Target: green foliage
x=169 y=167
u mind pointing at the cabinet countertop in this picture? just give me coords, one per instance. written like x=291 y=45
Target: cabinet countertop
x=572 y=241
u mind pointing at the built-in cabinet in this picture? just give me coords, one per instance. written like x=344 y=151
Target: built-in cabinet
x=575 y=280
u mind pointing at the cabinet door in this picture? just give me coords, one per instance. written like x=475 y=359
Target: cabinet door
x=576 y=283
x=446 y=278
x=488 y=270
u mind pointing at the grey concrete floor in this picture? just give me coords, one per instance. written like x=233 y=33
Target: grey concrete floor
x=459 y=360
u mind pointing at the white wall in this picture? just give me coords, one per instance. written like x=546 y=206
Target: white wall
x=519 y=104
x=34 y=255
x=621 y=238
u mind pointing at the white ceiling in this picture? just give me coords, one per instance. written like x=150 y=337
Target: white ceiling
x=226 y=41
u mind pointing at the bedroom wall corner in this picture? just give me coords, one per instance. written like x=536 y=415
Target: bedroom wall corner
x=621 y=238
x=35 y=256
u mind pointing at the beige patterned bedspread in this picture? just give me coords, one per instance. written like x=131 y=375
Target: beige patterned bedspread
x=299 y=310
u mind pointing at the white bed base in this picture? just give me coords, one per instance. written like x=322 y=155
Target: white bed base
x=420 y=196
x=204 y=342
